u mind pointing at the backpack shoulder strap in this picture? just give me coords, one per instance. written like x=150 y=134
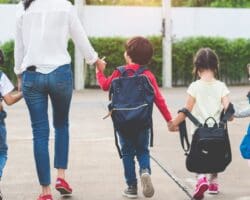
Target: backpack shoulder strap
x=183 y=129
x=184 y=137
x=225 y=116
x=121 y=69
x=140 y=71
x=191 y=117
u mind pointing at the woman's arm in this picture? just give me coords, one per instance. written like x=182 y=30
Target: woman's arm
x=19 y=46
x=80 y=38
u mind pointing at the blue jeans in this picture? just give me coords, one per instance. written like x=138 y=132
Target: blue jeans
x=3 y=143
x=37 y=87
x=136 y=144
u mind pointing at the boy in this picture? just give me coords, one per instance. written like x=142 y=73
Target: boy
x=138 y=53
x=6 y=88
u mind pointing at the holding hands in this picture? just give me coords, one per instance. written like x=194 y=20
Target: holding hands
x=100 y=65
x=172 y=127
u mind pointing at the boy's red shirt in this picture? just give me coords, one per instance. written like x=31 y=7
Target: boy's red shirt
x=105 y=83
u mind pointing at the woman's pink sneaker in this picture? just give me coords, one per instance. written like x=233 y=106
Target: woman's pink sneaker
x=45 y=197
x=213 y=188
x=63 y=187
x=201 y=188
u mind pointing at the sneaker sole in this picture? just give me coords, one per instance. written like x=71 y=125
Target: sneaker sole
x=148 y=189
x=200 y=193
x=130 y=196
x=209 y=192
x=64 y=192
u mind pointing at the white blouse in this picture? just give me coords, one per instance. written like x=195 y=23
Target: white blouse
x=42 y=34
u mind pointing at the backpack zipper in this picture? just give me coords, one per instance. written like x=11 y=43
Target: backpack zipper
x=117 y=109
x=135 y=108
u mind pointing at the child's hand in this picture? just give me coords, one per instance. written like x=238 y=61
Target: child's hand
x=19 y=82
x=100 y=65
x=172 y=127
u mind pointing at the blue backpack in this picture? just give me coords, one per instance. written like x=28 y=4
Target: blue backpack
x=245 y=145
x=131 y=107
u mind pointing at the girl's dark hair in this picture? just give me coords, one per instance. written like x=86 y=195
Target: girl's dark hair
x=27 y=3
x=205 y=59
x=1 y=57
x=140 y=50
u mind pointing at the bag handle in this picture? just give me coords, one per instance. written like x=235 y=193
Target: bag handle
x=210 y=118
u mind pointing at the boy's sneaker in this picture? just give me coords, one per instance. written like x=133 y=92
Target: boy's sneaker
x=130 y=192
x=63 y=187
x=147 y=186
x=213 y=188
x=201 y=187
x=45 y=197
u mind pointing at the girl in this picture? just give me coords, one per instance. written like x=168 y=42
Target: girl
x=207 y=97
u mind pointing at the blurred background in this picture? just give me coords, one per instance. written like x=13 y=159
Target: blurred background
x=222 y=25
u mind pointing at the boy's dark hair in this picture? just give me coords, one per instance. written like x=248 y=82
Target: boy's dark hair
x=1 y=57
x=140 y=50
x=205 y=59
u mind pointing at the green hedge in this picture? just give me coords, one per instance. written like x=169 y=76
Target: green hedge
x=234 y=56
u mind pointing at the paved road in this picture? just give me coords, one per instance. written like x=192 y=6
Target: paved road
x=95 y=170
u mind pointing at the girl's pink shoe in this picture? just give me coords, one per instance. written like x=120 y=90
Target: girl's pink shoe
x=63 y=187
x=45 y=197
x=201 y=188
x=213 y=188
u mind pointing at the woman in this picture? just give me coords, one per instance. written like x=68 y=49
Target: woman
x=42 y=65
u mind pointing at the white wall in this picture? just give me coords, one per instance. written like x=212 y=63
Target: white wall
x=106 y=21
x=7 y=22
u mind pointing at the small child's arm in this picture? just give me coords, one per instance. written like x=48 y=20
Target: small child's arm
x=181 y=116
x=242 y=113
x=11 y=98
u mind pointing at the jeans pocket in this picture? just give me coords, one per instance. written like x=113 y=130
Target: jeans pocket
x=29 y=80
x=64 y=80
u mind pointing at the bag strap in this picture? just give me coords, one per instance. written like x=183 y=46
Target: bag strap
x=117 y=143
x=140 y=71
x=184 y=137
x=121 y=69
x=124 y=71
x=225 y=116
x=191 y=117
x=183 y=129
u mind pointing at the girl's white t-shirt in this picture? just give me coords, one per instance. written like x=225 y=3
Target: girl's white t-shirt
x=5 y=85
x=208 y=99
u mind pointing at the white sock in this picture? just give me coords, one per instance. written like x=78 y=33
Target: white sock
x=200 y=176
